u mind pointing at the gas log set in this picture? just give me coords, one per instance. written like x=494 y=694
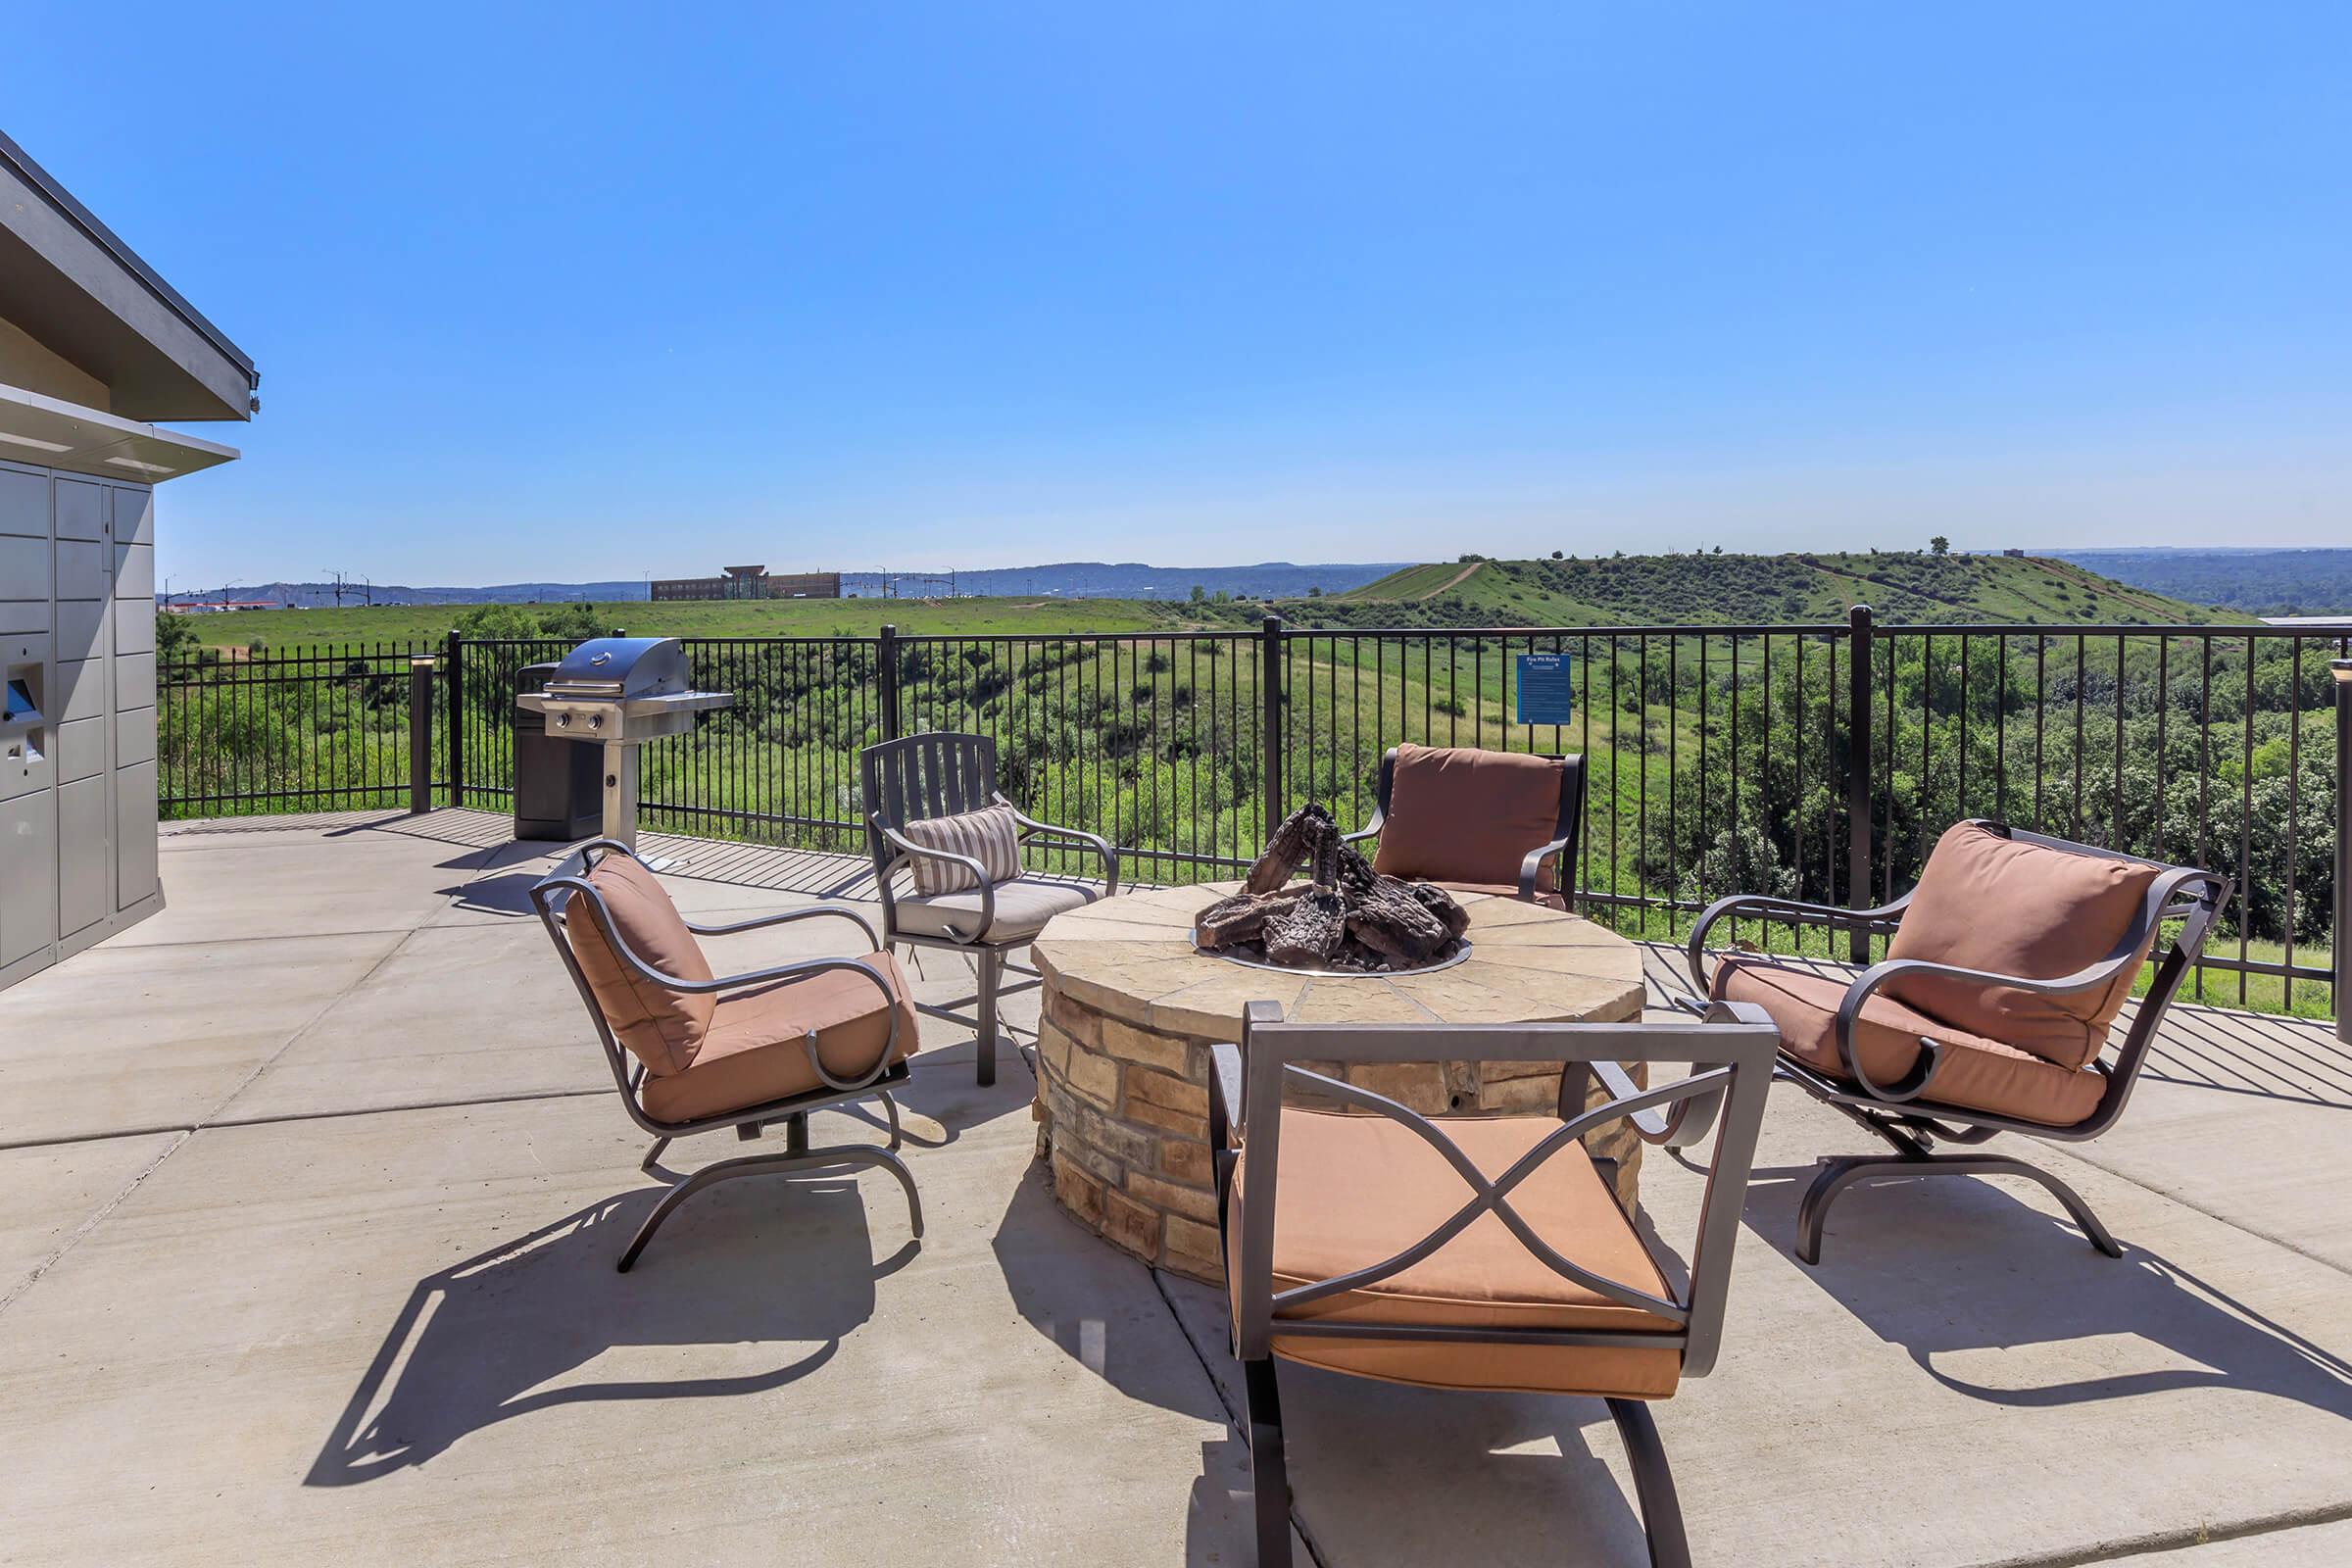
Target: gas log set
x=1346 y=918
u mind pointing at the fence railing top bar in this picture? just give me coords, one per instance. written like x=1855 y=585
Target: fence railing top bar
x=1016 y=639
x=1827 y=628
x=2098 y=629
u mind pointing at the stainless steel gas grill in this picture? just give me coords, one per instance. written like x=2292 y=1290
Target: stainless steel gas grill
x=622 y=692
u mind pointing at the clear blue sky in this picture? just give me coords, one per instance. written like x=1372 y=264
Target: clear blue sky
x=584 y=292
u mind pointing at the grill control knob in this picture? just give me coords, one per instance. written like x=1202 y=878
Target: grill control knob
x=562 y=721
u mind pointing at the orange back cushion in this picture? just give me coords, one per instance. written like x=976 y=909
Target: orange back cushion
x=1986 y=902
x=1457 y=815
x=662 y=1027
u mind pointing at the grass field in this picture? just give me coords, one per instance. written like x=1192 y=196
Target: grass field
x=292 y=630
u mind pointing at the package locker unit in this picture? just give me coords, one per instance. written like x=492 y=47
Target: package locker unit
x=93 y=346
x=77 y=798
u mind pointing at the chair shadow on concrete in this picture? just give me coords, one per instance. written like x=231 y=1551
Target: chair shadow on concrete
x=778 y=1276
x=1366 y=1458
x=1955 y=1271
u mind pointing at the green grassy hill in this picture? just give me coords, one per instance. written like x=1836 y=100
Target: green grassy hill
x=1666 y=590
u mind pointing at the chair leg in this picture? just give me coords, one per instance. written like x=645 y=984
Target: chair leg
x=1653 y=1483
x=992 y=974
x=652 y=1154
x=1269 y=1475
x=807 y=1159
x=1837 y=1175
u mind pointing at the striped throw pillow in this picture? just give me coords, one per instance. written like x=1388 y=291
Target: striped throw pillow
x=990 y=836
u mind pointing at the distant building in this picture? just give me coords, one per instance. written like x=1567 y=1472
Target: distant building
x=2019 y=554
x=749 y=582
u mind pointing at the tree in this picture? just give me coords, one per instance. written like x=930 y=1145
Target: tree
x=1199 y=594
x=1555 y=555
x=1939 y=545
x=1316 y=592
x=497 y=623
x=177 y=641
x=575 y=623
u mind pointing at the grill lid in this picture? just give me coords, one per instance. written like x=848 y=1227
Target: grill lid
x=603 y=668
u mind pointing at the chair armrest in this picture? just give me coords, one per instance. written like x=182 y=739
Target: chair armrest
x=1224 y=1096
x=757 y=922
x=1533 y=867
x=1078 y=836
x=909 y=850
x=1370 y=830
x=1915 y=1083
x=1790 y=910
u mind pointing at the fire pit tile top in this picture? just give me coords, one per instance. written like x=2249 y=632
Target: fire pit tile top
x=1131 y=1007
x=1133 y=957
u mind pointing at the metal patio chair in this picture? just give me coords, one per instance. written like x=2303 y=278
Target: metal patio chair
x=1475 y=1253
x=944 y=774
x=742 y=1051
x=2006 y=966
x=1480 y=821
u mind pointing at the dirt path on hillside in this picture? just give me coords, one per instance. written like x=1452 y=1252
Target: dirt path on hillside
x=1450 y=583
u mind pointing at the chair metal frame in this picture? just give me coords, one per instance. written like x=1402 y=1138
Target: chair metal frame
x=1566 y=832
x=1732 y=1052
x=553 y=896
x=1905 y=1114
x=946 y=773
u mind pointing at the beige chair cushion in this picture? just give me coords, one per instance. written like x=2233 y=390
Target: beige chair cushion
x=990 y=835
x=752 y=1053
x=661 y=1027
x=1023 y=907
x=1458 y=814
x=1977 y=1074
x=1356 y=1190
x=1987 y=903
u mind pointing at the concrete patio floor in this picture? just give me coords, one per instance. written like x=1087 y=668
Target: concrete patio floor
x=314 y=1183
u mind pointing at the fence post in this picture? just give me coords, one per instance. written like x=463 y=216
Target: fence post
x=1859 y=838
x=453 y=654
x=887 y=674
x=2342 y=669
x=420 y=734
x=1269 y=698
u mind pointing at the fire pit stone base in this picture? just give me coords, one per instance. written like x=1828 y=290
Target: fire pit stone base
x=1130 y=1007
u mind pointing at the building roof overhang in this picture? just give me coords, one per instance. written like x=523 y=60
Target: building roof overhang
x=69 y=282
x=52 y=433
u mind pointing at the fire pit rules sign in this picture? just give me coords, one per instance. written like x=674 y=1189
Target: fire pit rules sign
x=1546 y=689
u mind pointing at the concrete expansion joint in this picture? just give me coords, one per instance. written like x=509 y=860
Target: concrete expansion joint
x=1234 y=1422
x=2182 y=1540
x=32 y=1276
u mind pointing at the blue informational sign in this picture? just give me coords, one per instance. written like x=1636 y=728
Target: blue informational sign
x=1546 y=689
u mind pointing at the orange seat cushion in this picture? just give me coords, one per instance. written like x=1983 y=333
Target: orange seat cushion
x=1355 y=1190
x=1978 y=1074
x=1986 y=902
x=661 y=1027
x=1460 y=814
x=1508 y=889
x=754 y=1052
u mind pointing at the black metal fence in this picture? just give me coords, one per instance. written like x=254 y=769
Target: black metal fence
x=1815 y=760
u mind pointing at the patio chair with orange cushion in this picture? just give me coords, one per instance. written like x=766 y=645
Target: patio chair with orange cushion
x=1482 y=1254
x=693 y=1053
x=1479 y=822
x=1991 y=1013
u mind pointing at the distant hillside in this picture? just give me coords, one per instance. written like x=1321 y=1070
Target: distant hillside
x=2259 y=582
x=1067 y=579
x=1663 y=590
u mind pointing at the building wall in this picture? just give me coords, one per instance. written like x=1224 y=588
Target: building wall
x=797 y=585
x=77 y=826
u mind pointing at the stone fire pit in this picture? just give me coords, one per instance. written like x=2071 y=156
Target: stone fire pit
x=1130 y=1007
